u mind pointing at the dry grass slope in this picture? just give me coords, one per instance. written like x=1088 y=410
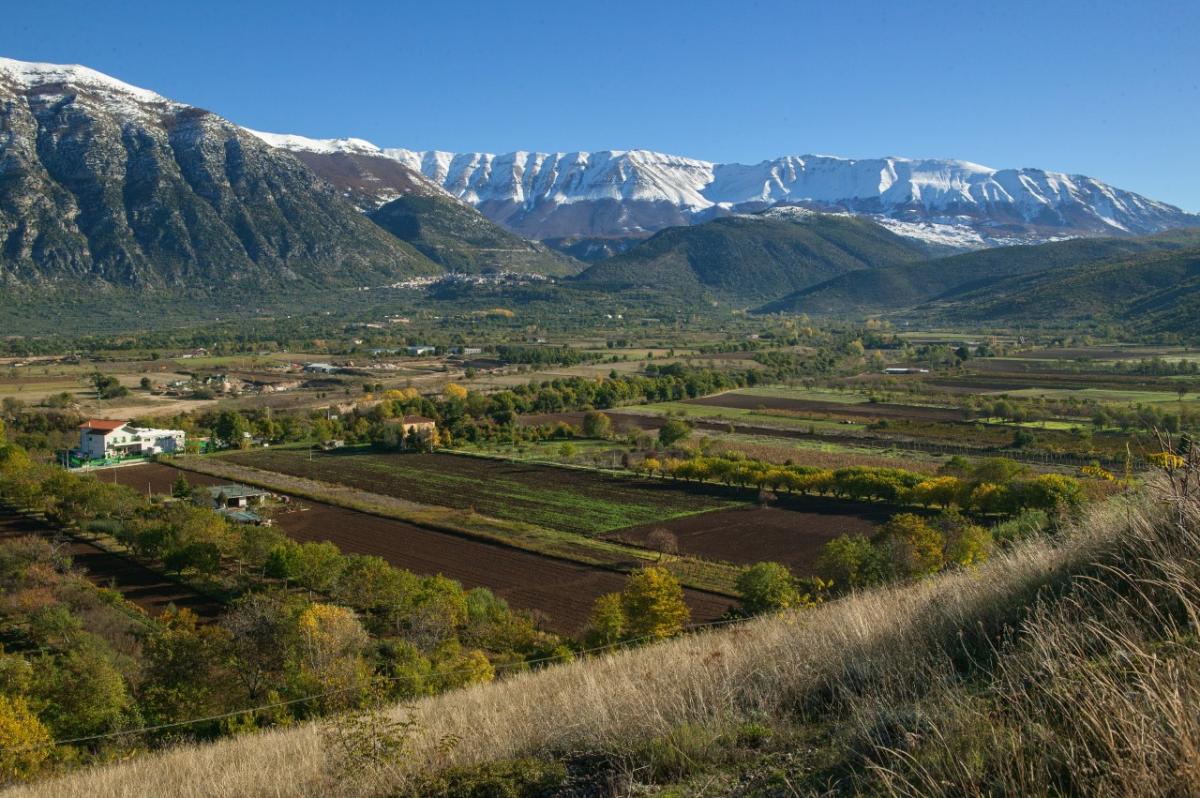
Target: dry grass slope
x=1091 y=684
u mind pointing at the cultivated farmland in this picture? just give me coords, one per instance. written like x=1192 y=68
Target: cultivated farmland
x=561 y=590
x=792 y=533
x=579 y=501
x=867 y=410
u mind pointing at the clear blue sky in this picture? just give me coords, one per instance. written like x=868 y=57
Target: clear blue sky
x=1105 y=88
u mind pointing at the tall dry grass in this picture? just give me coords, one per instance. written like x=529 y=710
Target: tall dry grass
x=901 y=667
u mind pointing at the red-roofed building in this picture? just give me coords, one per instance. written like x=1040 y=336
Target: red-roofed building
x=104 y=438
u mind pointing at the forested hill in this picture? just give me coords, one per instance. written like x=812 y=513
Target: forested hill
x=908 y=285
x=1152 y=292
x=759 y=257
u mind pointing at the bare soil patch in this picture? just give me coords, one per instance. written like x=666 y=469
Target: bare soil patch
x=792 y=532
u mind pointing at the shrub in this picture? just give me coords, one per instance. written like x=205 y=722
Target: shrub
x=514 y=778
x=767 y=587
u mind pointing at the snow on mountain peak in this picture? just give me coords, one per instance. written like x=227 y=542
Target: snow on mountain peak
x=32 y=75
x=955 y=202
x=288 y=141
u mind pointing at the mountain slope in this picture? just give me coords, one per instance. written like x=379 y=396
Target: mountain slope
x=1150 y=292
x=415 y=209
x=102 y=181
x=460 y=238
x=905 y=286
x=358 y=169
x=754 y=257
x=615 y=194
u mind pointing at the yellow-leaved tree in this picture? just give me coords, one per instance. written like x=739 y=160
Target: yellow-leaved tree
x=653 y=604
x=328 y=655
x=24 y=740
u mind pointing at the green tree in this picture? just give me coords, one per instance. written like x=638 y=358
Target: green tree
x=83 y=690
x=653 y=603
x=230 y=428
x=180 y=489
x=673 y=431
x=184 y=673
x=607 y=621
x=315 y=566
x=108 y=387
x=851 y=561
x=596 y=424
x=767 y=587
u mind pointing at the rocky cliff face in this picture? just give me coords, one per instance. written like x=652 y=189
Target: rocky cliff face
x=101 y=182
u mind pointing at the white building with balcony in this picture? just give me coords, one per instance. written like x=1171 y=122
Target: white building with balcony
x=102 y=438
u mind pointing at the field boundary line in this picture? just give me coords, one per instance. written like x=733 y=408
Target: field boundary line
x=429 y=526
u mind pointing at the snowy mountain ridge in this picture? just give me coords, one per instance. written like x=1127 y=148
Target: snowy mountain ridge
x=953 y=202
x=623 y=195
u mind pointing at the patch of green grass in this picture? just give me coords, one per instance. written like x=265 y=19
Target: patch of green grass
x=1098 y=394
x=1046 y=424
x=807 y=394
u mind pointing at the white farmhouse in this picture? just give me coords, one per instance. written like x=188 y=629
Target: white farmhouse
x=101 y=438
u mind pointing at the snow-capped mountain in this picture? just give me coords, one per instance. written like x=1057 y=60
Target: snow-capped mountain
x=362 y=172
x=637 y=192
x=107 y=184
x=539 y=194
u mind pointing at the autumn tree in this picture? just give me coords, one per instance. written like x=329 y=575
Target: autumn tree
x=915 y=548
x=596 y=424
x=25 y=742
x=664 y=541
x=327 y=656
x=653 y=603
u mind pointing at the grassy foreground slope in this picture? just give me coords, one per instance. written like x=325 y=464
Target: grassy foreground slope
x=1068 y=666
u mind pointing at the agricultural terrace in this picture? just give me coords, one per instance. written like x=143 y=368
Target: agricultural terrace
x=564 y=592
x=572 y=500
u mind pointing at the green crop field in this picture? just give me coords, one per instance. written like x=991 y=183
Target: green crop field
x=573 y=500
x=808 y=394
x=1100 y=395
x=736 y=415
